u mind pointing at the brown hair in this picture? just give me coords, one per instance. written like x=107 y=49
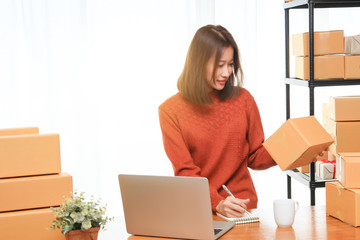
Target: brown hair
x=192 y=83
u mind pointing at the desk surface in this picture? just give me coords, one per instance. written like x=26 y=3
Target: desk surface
x=310 y=223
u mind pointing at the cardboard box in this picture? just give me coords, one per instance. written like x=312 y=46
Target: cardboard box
x=346 y=135
x=28 y=225
x=352 y=44
x=297 y=142
x=352 y=67
x=326 y=169
x=325 y=67
x=325 y=43
x=31 y=154
x=34 y=192
x=349 y=169
x=306 y=168
x=325 y=114
x=343 y=203
x=345 y=108
x=19 y=131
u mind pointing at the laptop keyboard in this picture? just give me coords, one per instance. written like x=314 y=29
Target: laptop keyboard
x=217 y=230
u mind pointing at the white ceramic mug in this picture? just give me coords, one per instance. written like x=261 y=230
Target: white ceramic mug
x=284 y=212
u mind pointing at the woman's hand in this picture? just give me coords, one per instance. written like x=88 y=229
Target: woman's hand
x=232 y=207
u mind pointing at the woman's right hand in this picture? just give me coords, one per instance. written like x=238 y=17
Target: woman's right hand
x=232 y=207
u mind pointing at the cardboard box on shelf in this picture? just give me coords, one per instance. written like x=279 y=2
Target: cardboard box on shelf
x=352 y=67
x=297 y=142
x=34 y=192
x=344 y=108
x=325 y=114
x=31 y=154
x=349 y=175
x=19 y=131
x=352 y=44
x=342 y=203
x=29 y=225
x=325 y=43
x=346 y=135
x=326 y=169
x=325 y=67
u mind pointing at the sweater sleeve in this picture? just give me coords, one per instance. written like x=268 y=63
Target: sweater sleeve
x=178 y=152
x=259 y=158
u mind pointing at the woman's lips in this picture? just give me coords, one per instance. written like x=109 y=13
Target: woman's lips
x=222 y=82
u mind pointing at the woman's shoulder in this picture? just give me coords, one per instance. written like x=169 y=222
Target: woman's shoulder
x=172 y=102
x=244 y=95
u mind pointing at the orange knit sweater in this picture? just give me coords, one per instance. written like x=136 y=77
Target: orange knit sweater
x=218 y=141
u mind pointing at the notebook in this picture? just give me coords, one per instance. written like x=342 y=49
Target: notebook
x=247 y=218
x=164 y=206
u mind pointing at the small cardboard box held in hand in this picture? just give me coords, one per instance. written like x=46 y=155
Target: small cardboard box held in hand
x=297 y=142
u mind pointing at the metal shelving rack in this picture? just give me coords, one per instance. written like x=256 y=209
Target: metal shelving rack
x=309 y=179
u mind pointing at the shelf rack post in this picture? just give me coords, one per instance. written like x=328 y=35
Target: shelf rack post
x=311 y=92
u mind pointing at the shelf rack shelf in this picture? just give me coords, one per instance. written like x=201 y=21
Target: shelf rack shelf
x=310 y=179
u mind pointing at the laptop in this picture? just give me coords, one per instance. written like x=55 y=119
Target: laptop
x=174 y=207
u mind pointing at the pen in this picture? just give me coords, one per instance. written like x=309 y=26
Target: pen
x=228 y=191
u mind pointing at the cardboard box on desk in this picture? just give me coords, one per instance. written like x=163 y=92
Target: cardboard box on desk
x=19 y=131
x=349 y=175
x=297 y=142
x=346 y=135
x=344 y=108
x=34 y=192
x=28 y=225
x=325 y=67
x=343 y=203
x=325 y=43
x=30 y=154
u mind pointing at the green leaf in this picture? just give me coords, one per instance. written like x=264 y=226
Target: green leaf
x=67 y=228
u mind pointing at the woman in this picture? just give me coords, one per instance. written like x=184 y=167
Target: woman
x=212 y=127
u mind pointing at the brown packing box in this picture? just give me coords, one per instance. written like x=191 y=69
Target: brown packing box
x=352 y=67
x=343 y=203
x=325 y=114
x=346 y=135
x=345 y=108
x=325 y=43
x=28 y=225
x=34 y=192
x=325 y=67
x=297 y=142
x=19 y=131
x=31 y=154
x=349 y=175
x=306 y=168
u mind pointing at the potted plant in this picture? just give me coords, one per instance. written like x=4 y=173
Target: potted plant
x=79 y=219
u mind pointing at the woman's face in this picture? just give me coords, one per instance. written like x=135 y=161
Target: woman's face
x=223 y=69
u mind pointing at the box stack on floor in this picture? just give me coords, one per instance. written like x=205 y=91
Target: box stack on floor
x=30 y=182
x=342 y=119
x=330 y=62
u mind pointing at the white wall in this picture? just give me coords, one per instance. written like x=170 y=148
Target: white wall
x=96 y=71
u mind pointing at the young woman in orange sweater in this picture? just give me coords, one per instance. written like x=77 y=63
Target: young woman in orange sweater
x=212 y=127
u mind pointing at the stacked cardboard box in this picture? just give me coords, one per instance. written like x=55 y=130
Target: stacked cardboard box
x=329 y=60
x=30 y=182
x=342 y=119
x=352 y=57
